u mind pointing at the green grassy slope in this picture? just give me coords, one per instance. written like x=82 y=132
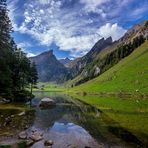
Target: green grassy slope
x=46 y=86
x=129 y=75
x=100 y=55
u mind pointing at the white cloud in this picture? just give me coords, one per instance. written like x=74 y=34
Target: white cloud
x=92 y=6
x=71 y=31
x=78 y=43
x=112 y=30
x=24 y=45
x=61 y=28
x=29 y=54
x=93 y=3
x=42 y=11
x=13 y=12
x=44 y=1
x=139 y=11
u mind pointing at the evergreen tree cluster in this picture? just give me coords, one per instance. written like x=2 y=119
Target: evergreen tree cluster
x=16 y=71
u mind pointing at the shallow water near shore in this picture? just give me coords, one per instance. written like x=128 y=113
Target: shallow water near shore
x=71 y=123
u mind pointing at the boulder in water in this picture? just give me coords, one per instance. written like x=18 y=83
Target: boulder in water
x=23 y=135
x=46 y=103
x=48 y=143
x=30 y=142
x=36 y=136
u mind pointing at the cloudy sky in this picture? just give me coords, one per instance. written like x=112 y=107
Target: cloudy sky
x=71 y=27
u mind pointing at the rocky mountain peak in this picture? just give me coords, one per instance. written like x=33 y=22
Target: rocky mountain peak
x=137 y=30
x=109 y=39
x=65 y=61
x=67 y=58
x=101 y=44
x=49 y=68
x=49 y=53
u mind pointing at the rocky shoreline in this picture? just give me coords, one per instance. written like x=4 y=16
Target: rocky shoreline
x=35 y=136
x=23 y=128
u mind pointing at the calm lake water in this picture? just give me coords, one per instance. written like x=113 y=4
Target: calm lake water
x=72 y=123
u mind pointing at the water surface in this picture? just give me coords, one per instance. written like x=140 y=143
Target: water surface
x=72 y=123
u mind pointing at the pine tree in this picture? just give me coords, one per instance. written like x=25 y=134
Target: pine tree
x=33 y=76
x=16 y=71
x=5 y=50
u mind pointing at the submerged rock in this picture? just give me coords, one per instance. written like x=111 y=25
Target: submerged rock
x=5 y=101
x=23 y=135
x=33 y=130
x=36 y=136
x=21 y=114
x=48 y=143
x=12 y=116
x=29 y=142
x=46 y=102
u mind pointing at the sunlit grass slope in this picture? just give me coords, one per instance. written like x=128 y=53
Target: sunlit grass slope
x=129 y=75
x=42 y=86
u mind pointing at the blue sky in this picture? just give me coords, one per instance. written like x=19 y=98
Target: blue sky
x=71 y=27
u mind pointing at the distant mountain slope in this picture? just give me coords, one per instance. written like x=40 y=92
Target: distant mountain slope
x=135 y=31
x=49 y=68
x=79 y=64
x=101 y=58
x=129 y=75
x=103 y=55
x=65 y=61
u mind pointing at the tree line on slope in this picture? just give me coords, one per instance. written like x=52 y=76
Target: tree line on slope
x=113 y=58
x=16 y=71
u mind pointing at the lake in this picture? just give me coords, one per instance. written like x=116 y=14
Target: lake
x=71 y=123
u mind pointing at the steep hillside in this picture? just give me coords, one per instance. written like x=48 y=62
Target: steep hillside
x=79 y=64
x=135 y=31
x=49 y=68
x=101 y=58
x=129 y=75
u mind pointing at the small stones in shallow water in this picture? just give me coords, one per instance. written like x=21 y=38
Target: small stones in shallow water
x=34 y=130
x=26 y=127
x=12 y=116
x=48 y=143
x=23 y=135
x=7 y=121
x=29 y=142
x=5 y=101
x=21 y=114
x=36 y=136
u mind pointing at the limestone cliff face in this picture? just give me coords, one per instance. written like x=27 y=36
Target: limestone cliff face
x=79 y=64
x=90 y=65
x=49 y=68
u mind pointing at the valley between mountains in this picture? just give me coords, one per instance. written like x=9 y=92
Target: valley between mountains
x=112 y=76
x=98 y=100
x=109 y=67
